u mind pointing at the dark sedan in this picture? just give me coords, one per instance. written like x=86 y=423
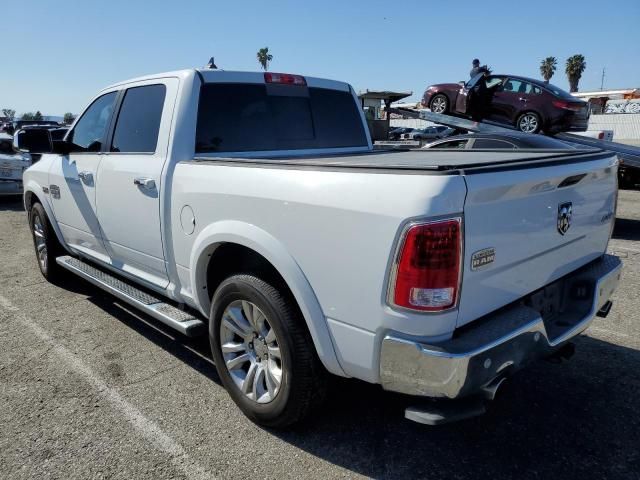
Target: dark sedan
x=396 y=133
x=500 y=141
x=528 y=104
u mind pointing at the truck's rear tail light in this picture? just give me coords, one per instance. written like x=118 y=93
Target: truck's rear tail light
x=427 y=275
x=284 y=78
x=574 y=107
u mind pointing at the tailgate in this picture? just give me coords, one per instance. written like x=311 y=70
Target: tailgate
x=518 y=236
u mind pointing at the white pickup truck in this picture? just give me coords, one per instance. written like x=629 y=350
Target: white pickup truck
x=252 y=206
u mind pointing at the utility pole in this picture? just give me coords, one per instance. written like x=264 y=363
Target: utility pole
x=602 y=81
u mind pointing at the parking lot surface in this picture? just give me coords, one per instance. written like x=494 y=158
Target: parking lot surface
x=91 y=389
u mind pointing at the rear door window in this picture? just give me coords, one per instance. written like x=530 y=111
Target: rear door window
x=518 y=86
x=255 y=117
x=458 y=144
x=493 y=144
x=138 y=121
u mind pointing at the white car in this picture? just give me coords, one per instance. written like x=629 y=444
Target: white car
x=12 y=166
x=302 y=252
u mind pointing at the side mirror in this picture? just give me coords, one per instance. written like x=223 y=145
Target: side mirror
x=41 y=140
x=33 y=140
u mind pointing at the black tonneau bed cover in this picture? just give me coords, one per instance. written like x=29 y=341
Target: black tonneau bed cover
x=422 y=160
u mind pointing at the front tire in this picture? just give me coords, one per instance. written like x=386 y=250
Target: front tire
x=46 y=244
x=263 y=352
x=529 y=122
x=439 y=103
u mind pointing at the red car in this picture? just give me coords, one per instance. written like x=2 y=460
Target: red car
x=529 y=105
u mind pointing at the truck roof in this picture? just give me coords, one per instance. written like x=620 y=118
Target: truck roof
x=230 y=76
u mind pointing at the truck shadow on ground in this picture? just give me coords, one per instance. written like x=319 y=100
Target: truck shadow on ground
x=626 y=229
x=11 y=203
x=578 y=419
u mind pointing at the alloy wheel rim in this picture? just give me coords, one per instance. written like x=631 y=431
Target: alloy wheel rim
x=251 y=351
x=439 y=105
x=529 y=123
x=40 y=241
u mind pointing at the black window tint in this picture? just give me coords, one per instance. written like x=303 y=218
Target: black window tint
x=491 y=143
x=246 y=117
x=459 y=144
x=89 y=132
x=139 y=120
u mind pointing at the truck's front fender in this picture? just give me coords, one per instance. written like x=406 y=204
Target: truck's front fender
x=263 y=243
x=33 y=188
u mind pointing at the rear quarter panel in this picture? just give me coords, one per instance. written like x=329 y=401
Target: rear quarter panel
x=337 y=226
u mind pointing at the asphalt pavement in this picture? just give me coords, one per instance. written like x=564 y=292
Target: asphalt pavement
x=89 y=388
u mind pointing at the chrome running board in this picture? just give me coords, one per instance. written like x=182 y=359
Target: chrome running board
x=182 y=321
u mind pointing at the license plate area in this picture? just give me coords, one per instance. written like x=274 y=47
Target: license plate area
x=563 y=303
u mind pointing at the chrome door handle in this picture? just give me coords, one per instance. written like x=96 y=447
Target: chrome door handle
x=523 y=99
x=143 y=182
x=86 y=177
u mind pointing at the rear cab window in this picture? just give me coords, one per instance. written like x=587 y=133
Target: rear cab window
x=244 y=117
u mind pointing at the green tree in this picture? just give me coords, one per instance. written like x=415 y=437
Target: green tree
x=9 y=113
x=576 y=65
x=38 y=116
x=548 y=68
x=69 y=118
x=264 y=57
x=28 y=116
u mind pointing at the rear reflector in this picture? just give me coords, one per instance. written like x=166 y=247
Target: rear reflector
x=574 y=107
x=427 y=272
x=284 y=78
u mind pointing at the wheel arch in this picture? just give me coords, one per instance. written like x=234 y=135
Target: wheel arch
x=34 y=194
x=249 y=245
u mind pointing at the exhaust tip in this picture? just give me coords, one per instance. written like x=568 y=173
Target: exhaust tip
x=606 y=308
x=490 y=391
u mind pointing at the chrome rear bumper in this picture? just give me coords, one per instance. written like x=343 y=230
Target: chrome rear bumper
x=501 y=343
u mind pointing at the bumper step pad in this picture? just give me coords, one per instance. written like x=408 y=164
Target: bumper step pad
x=180 y=320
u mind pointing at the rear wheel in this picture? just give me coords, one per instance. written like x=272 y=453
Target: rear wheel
x=439 y=103
x=263 y=352
x=46 y=243
x=529 y=122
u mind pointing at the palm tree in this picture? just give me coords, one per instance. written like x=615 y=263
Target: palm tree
x=548 y=68
x=574 y=69
x=264 y=57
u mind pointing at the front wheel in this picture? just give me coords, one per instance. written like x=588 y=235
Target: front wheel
x=263 y=352
x=529 y=122
x=46 y=244
x=439 y=103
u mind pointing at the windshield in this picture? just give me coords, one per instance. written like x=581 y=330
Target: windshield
x=253 y=117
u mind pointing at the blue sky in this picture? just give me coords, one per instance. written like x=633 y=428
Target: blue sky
x=59 y=53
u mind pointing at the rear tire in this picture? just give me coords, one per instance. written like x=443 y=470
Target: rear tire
x=46 y=244
x=264 y=353
x=529 y=122
x=439 y=104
